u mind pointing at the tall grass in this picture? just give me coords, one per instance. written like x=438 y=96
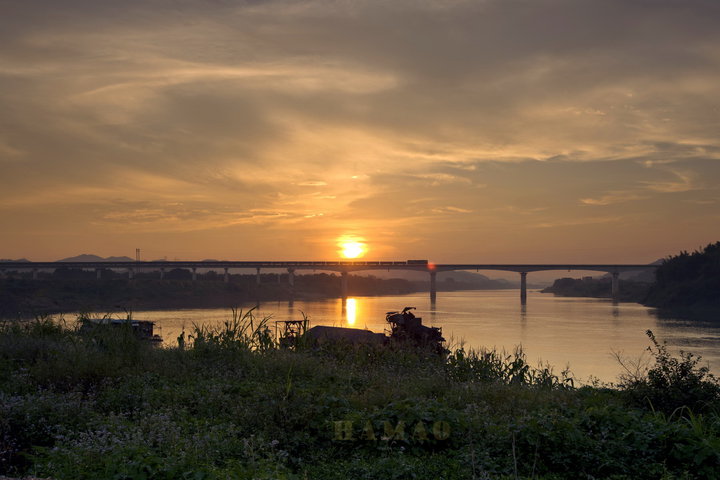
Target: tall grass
x=234 y=405
x=242 y=332
x=491 y=365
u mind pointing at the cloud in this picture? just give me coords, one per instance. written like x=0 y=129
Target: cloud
x=577 y=222
x=322 y=115
x=313 y=183
x=450 y=210
x=612 y=198
x=685 y=182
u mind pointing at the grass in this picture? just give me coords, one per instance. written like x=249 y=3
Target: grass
x=232 y=405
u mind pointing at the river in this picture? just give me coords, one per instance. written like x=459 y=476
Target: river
x=584 y=334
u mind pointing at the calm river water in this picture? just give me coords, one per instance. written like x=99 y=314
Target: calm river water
x=582 y=333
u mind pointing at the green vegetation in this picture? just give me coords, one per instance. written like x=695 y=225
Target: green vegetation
x=630 y=291
x=231 y=405
x=674 y=384
x=684 y=284
x=688 y=280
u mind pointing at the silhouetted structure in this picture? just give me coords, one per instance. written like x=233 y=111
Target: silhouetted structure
x=344 y=267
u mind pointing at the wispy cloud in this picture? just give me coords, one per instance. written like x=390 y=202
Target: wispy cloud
x=313 y=183
x=577 y=222
x=450 y=210
x=684 y=183
x=612 y=198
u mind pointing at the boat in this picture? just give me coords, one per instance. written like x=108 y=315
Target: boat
x=405 y=329
x=143 y=329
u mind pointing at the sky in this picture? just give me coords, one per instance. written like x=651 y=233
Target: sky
x=485 y=131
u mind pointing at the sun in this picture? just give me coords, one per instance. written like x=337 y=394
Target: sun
x=352 y=249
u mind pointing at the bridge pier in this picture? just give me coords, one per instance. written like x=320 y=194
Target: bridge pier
x=523 y=288
x=615 y=285
x=131 y=273
x=291 y=277
x=257 y=276
x=98 y=273
x=433 y=286
x=35 y=274
x=344 y=284
x=194 y=274
x=162 y=273
x=226 y=276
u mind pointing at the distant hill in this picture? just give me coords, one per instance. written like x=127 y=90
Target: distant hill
x=642 y=276
x=86 y=257
x=684 y=282
x=599 y=287
x=634 y=285
x=688 y=280
x=11 y=260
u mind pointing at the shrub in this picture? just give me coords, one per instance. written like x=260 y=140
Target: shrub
x=493 y=366
x=674 y=382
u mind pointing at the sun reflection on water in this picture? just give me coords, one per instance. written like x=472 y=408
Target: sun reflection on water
x=350 y=311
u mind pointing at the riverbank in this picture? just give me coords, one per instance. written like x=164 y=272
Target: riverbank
x=23 y=297
x=687 y=282
x=636 y=292
x=231 y=405
x=629 y=291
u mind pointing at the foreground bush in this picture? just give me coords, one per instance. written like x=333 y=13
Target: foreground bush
x=674 y=385
x=231 y=405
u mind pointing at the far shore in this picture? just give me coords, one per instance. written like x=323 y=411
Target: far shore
x=21 y=297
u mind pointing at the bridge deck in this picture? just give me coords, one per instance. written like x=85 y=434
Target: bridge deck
x=328 y=265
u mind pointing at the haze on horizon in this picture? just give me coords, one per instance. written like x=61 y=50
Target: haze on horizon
x=458 y=131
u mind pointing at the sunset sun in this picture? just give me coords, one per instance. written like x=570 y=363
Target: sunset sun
x=352 y=249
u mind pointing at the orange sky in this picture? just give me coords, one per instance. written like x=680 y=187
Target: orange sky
x=457 y=131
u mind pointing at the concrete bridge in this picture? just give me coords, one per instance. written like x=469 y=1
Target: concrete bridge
x=344 y=267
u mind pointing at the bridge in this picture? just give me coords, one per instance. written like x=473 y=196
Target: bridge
x=344 y=267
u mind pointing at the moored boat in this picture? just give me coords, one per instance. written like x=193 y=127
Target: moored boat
x=142 y=329
x=405 y=329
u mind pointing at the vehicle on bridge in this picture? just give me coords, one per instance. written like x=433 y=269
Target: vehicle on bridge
x=417 y=262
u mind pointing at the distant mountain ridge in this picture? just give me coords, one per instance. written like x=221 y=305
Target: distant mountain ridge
x=86 y=257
